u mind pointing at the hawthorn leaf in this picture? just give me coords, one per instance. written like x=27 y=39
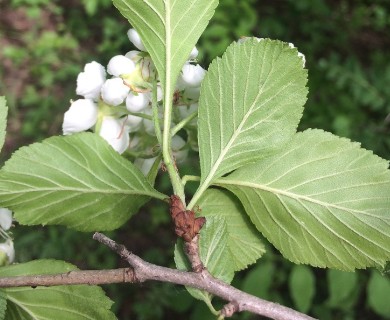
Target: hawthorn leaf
x=228 y=241
x=78 y=181
x=250 y=105
x=214 y=253
x=3 y=304
x=378 y=292
x=169 y=30
x=243 y=240
x=3 y=120
x=342 y=286
x=302 y=287
x=59 y=302
x=322 y=201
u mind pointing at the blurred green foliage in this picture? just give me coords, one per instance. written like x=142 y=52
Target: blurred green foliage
x=46 y=43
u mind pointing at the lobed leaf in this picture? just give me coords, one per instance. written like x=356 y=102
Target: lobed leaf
x=169 y=30
x=78 y=181
x=250 y=105
x=77 y=302
x=322 y=201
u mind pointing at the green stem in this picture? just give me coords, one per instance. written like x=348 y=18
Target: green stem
x=187 y=178
x=156 y=121
x=202 y=188
x=182 y=123
x=178 y=188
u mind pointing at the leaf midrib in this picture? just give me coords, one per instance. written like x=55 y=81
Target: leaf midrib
x=84 y=191
x=295 y=196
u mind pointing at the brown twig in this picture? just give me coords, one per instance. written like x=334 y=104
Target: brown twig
x=141 y=271
x=90 y=277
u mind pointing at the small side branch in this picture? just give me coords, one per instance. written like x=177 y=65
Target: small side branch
x=90 y=277
x=141 y=271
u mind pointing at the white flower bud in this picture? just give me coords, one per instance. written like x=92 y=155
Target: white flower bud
x=136 y=39
x=194 y=53
x=160 y=93
x=133 y=122
x=177 y=144
x=91 y=80
x=134 y=55
x=144 y=164
x=191 y=76
x=119 y=65
x=5 y=218
x=137 y=102
x=115 y=133
x=81 y=116
x=185 y=111
x=114 y=91
x=8 y=249
x=192 y=93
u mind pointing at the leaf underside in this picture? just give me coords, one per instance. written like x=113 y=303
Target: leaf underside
x=250 y=105
x=321 y=201
x=228 y=241
x=78 y=181
x=169 y=30
x=78 y=302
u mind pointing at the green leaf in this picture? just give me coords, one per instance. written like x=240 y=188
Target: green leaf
x=59 y=302
x=169 y=29
x=78 y=181
x=259 y=280
x=242 y=238
x=322 y=201
x=3 y=304
x=341 y=285
x=228 y=242
x=302 y=287
x=214 y=253
x=378 y=291
x=3 y=120
x=250 y=105
x=213 y=249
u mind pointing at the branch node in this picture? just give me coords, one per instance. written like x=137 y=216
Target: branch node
x=230 y=309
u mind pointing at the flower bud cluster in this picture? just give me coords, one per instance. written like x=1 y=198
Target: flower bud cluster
x=116 y=102
x=7 y=251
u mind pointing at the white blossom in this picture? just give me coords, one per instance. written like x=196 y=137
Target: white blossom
x=81 y=116
x=114 y=91
x=136 y=39
x=194 y=53
x=191 y=76
x=119 y=65
x=115 y=133
x=177 y=145
x=5 y=218
x=8 y=249
x=134 y=55
x=185 y=111
x=91 y=80
x=144 y=164
x=192 y=93
x=136 y=102
x=133 y=122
